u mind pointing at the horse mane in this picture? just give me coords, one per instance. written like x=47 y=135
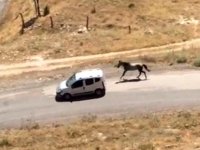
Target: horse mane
x=125 y=63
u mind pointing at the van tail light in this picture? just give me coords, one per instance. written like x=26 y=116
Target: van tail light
x=103 y=85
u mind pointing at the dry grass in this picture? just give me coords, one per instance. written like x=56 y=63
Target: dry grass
x=190 y=56
x=153 y=23
x=174 y=130
x=197 y=62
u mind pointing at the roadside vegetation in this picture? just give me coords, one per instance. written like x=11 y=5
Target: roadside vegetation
x=197 y=62
x=185 y=57
x=169 y=130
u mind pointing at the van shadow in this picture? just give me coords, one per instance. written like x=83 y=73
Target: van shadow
x=130 y=80
x=79 y=98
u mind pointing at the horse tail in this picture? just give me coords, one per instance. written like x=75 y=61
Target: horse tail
x=145 y=66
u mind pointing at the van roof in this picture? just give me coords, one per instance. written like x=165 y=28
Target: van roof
x=89 y=73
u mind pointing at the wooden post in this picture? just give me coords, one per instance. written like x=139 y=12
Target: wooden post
x=87 y=23
x=38 y=8
x=51 y=21
x=129 y=29
x=23 y=24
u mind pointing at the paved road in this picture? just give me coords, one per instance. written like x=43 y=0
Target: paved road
x=162 y=91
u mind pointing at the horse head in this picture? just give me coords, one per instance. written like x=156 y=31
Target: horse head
x=119 y=64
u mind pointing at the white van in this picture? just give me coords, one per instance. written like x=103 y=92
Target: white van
x=85 y=82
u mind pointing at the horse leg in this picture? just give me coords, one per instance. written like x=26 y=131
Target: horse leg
x=123 y=73
x=144 y=74
x=139 y=74
x=139 y=68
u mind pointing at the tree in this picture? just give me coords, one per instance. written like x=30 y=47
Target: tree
x=37 y=7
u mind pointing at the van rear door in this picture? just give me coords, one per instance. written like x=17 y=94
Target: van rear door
x=89 y=85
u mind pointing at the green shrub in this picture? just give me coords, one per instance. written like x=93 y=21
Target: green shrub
x=197 y=62
x=170 y=57
x=93 y=11
x=146 y=146
x=131 y=5
x=149 y=59
x=181 y=59
x=4 y=143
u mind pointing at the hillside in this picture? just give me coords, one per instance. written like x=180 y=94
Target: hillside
x=153 y=23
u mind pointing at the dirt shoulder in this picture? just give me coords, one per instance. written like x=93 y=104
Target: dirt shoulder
x=40 y=64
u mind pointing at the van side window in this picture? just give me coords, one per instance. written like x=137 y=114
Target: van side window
x=89 y=81
x=97 y=79
x=77 y=84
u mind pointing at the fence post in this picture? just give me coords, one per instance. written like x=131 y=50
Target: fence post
x=23 y=24
x=51 y=21
x=129 y=29
x=87 y=23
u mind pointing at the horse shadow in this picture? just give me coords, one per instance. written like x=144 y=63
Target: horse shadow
x=130 y=80
x=79 y=98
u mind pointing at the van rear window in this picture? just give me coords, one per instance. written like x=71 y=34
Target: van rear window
x=89 y=81
x=97 y=79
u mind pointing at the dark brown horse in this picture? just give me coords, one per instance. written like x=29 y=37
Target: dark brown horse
x=131 y=67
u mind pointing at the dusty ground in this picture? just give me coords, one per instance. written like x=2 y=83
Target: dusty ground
x=169 y=130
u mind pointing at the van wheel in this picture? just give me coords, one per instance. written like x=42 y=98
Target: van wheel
x=67 y=97
x=58 y=98
x=99 y=92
